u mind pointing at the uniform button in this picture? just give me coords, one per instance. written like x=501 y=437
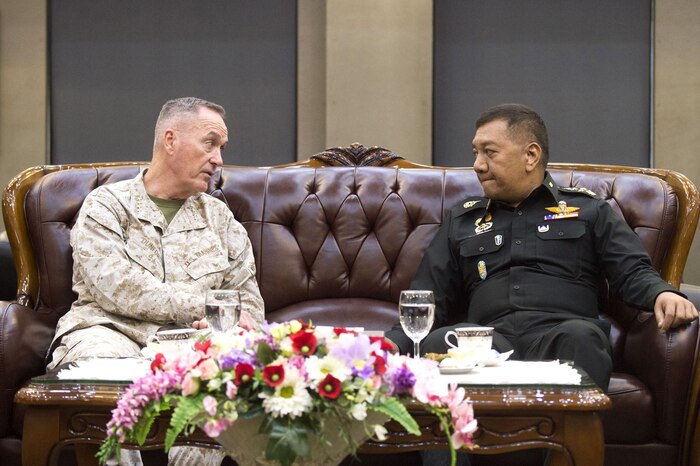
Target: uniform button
x=561 y=233
x=516 y=287
x=518 y=242
x=481 y=248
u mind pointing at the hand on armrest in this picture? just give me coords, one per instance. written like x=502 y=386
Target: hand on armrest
x=672 y=310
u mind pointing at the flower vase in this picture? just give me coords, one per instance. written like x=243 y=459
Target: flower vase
x=246 y=445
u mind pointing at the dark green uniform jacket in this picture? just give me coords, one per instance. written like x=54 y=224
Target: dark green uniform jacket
x=489 y=259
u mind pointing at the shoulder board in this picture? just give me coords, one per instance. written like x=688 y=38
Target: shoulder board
x=469 y=204
x=574 y=189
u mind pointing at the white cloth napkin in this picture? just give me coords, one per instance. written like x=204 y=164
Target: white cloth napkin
x=519 y=373
x=106 y=369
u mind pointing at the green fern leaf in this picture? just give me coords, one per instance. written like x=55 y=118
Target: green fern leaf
x=183 y=415
x=398 y=412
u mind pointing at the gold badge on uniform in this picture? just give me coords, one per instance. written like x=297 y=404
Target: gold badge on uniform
x=481 y=266
x=561 y=211
x=483 y=224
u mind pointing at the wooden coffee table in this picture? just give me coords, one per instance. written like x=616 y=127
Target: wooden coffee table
x=562 y=418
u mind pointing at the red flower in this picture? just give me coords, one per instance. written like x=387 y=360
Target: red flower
x=304 y=342
x=244 y=374
x=157 y=362
x=329 y=387
x=273 y=375
x=379 y=364
x=340 y=330
x=202 y=346
x=386 y=346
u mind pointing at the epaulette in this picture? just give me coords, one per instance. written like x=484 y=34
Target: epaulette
x=469 y=204
x=576 y=189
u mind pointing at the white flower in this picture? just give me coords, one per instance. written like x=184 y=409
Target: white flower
x=290 y=398
x=380 y=432
x=318 y=368
x=359 y=411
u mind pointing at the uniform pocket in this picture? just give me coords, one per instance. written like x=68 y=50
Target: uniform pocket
x=207 y=265
x=486 y=248
x=147 y=255
x=559 y=246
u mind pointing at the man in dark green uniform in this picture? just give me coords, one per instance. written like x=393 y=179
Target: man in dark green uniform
x=526 y=258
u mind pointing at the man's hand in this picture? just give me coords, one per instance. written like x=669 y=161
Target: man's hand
x=672 y=310
x=246 y=321
x=200 y=324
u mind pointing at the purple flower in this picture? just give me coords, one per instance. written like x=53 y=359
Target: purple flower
x=149 y=388
x=231 y=360
x=402 y=380
x=357 y=353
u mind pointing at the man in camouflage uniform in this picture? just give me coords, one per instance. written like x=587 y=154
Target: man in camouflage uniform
x=146 y=250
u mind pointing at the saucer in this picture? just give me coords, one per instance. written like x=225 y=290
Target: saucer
x=455 y=366
x=495 y=358
x=456 y=370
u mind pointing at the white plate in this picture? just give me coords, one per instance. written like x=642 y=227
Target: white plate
x=456 y=370
x=496 y=359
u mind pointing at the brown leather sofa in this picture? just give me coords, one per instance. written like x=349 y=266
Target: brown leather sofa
x=337 y=237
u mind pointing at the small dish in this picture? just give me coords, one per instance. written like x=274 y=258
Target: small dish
x=454 y=370
x=495 y=358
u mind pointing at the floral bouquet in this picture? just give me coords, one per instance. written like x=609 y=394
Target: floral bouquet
x=294 y=378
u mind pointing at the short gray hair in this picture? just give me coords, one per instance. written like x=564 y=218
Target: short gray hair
x=175 y=108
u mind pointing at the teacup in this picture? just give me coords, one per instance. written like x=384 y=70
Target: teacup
x=472 y=342
x=171 y=340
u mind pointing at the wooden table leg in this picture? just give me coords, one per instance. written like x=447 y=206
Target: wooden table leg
x=583 y=439
x=40 y=435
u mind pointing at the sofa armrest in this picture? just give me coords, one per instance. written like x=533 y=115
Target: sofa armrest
x=692 y=438
x=666 y=362
x=25 y=335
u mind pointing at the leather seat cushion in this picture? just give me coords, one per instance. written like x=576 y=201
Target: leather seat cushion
x=631 y=419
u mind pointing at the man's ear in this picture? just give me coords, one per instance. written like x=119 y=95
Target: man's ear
x=533 y=153
x=169 y=139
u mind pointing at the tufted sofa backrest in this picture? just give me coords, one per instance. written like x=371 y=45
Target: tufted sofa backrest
x=324 y=233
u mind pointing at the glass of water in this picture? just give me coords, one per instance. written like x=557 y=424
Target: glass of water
x=222 y=309
x=416 y=314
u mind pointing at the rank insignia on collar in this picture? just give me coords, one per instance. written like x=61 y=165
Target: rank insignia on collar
x=481 y=268
x=469 y=204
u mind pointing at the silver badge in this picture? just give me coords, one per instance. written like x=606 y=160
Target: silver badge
x=469 y=204
x=498 y=239
x=484 y=227
x=543 y=228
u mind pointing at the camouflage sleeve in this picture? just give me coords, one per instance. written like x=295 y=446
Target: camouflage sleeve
x=115 y=283
x=241 y=272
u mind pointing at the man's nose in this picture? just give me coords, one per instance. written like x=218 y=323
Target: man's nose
x=479 y=163
x=217 y=158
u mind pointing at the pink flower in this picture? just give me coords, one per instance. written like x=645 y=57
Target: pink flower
x=231 y=390
x=209 y=368
x=190 y=385
x=464 y=424
x=214 y=428
x=210 y=404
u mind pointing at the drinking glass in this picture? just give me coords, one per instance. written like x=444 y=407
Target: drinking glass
x=416 y=314
x=222 y=309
